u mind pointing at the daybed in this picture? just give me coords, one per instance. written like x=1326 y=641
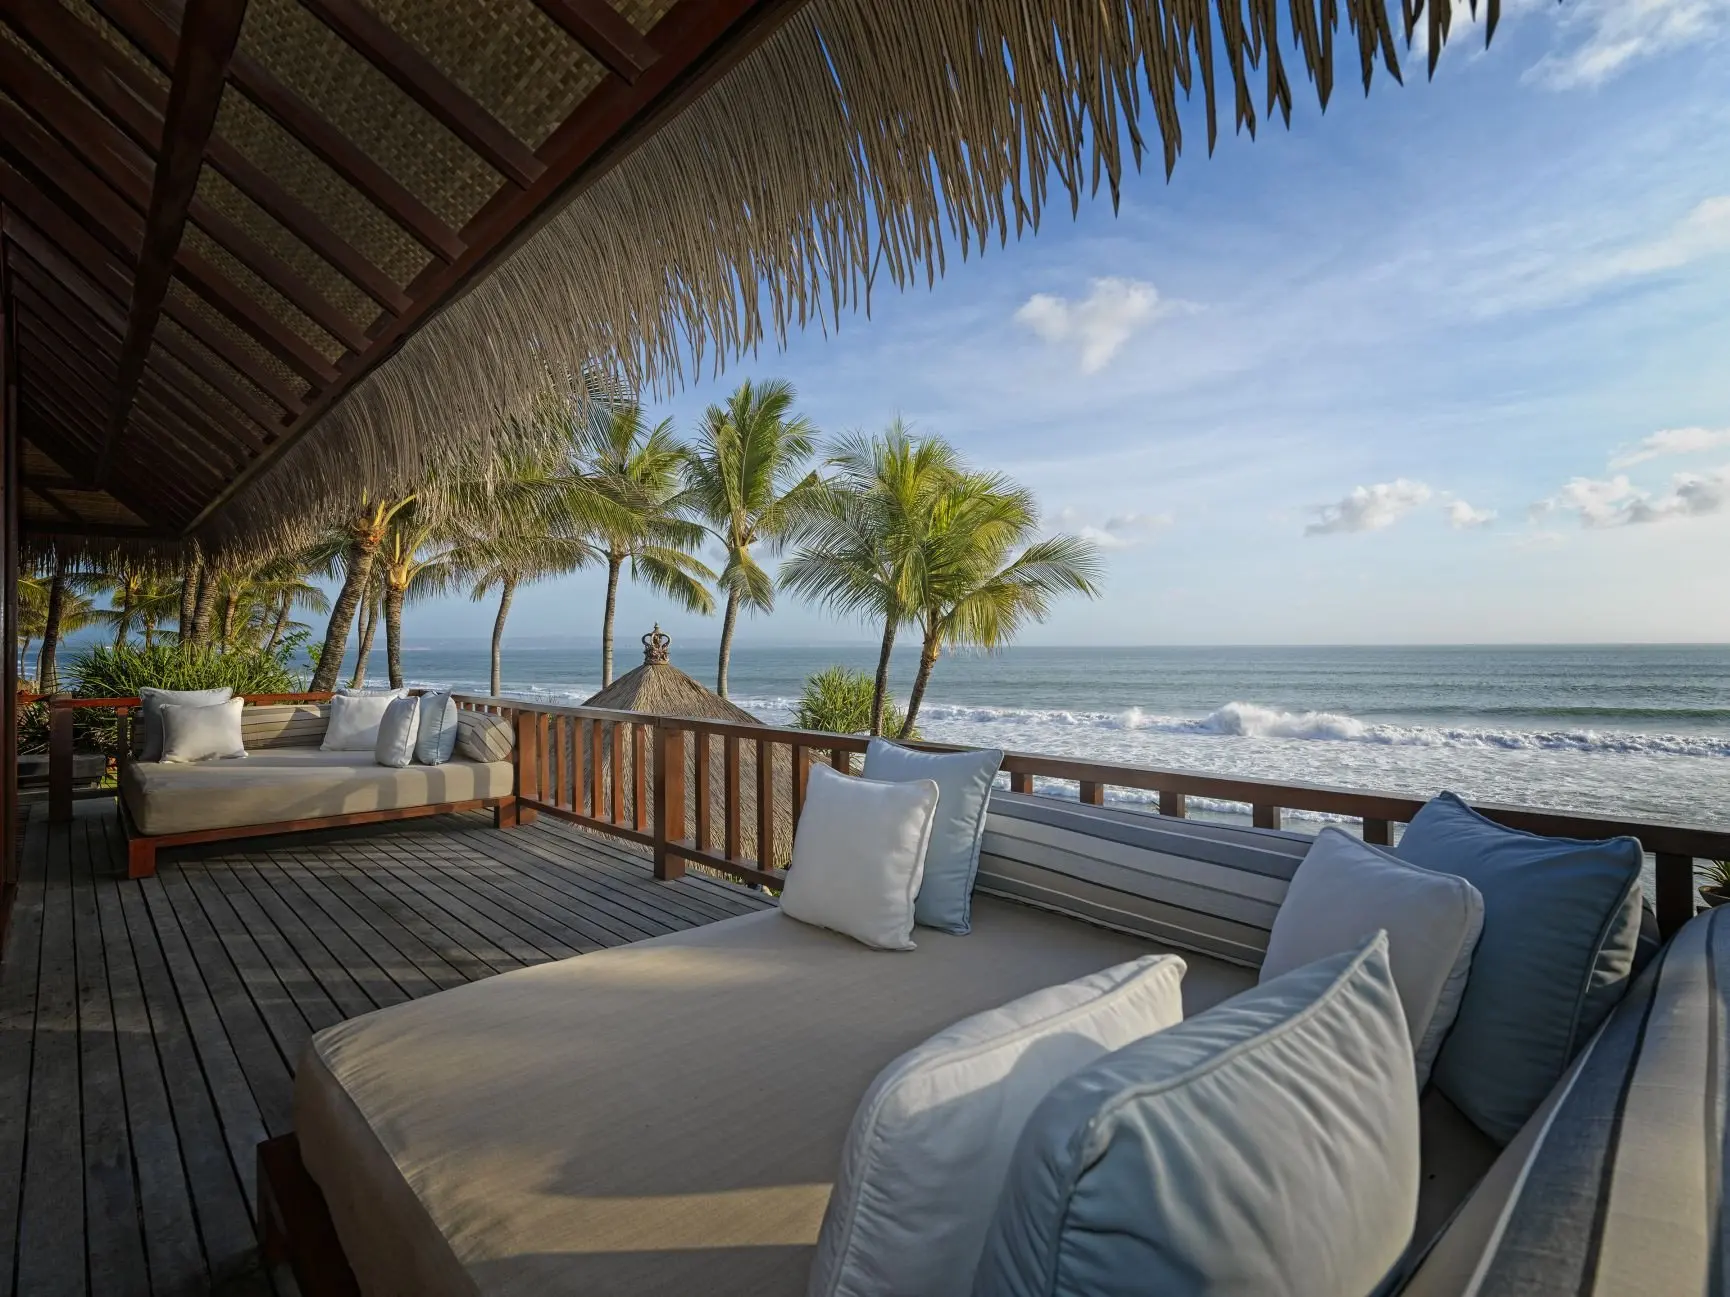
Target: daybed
x=285 y=783
x=668 y=1117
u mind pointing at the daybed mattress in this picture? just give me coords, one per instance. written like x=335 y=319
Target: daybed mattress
x=279 y=784
x=661 y=1118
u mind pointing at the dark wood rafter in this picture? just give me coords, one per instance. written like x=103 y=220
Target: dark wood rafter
x=51 y=498
x=161 y=505
x=156 y=39
x=579 y=151
x=135 y=103
x=605 y=33
x=420 y=78
x=210 y=29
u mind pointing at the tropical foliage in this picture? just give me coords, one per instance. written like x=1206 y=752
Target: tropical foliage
x=843 y=700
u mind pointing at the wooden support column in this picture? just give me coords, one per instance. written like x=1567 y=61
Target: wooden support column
x=11 y=467
x=528 y=782
x=669 y=744
x=208 y=32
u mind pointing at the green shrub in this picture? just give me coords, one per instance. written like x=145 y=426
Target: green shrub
x=838 y=701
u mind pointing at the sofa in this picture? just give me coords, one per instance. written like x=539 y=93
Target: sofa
x=667 y=1117
x=287 y=783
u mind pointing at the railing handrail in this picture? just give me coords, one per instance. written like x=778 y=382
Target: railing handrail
x=1398 y=808
x=72 y=703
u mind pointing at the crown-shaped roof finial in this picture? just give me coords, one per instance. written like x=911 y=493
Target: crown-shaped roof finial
x=655 y=645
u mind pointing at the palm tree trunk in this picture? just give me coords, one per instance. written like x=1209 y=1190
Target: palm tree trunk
x=188 y=599
x=927 y=663
x=23 y=657
x=284 y=606
x=880 y=687
x=122 y=622
x=362 y=548
x=727 y=624
x=614 y=562
x=203 y=606
x=363 y=649
x=507 y=591
x=393 y=597
x=47 y=673
x=230 y=606
x=149 y=633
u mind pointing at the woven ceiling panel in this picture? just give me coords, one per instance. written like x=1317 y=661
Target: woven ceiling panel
x=262 y=293
x=257 y=355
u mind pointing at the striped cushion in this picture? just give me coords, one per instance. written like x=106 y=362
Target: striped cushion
x=1197 y=886
x=1616 y=1184
x=286 y=725
x=482 y=736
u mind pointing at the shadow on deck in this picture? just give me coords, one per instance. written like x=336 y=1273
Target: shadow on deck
x=149 y=1030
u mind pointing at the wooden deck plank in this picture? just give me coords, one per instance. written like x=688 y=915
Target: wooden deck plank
x=149 y=1028
x=18 y=998
x=114 y=1238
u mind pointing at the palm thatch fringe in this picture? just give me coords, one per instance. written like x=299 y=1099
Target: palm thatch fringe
x=865 y=140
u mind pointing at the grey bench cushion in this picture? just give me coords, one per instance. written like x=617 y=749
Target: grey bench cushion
x=1615 y=1185
x=1213 y=888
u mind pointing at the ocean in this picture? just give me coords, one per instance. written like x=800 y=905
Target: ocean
x=1641 y=732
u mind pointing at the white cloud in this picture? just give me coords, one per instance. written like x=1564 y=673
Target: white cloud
x=1704 y=231
x=1120 y=531
x=1617 y=502
x=1672 y=441
x=1463 y=517
x=1369 y=508
x=1098 y=324
x=1602 y=38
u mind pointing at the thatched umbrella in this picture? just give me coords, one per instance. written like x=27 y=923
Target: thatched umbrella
x=658 y=688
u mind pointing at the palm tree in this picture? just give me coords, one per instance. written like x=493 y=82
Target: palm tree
x=157 y=601
x=125 y=587
x=362 y=537
x=857 y=549
x=371 y=602
x=978 y=575
x=415 y=563
x=66 y=610
x=284 y=584
x=746 y=479
x=636 y=468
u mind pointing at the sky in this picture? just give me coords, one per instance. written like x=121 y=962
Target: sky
x=1449 y=364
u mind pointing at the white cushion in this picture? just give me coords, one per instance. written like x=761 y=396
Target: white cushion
x=436 y=739
x=192 y=733
x=859 y=856
x=397 y=733
x=354 y=721
x=152 y=701
x=931 y=1141
x=1345 y=890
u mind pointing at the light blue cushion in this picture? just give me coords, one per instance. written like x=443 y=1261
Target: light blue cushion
x=438 y=728
x=396 y=733
x=1268 y=1145
x=963 y=782
x=1561 y=928
x=154 y=700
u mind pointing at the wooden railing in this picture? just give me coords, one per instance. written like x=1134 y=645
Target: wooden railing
x=728 y=796
x=63 y=708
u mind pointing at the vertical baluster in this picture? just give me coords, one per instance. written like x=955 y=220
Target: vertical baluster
x=1020 y=781
x=639 y=778
x=554 y=728
x=765 y=804
x=59 y=763
x=700 y=773
x=730 y=796
x=1378 y=833
x=669 y=799
x=1674 y=876
x=1264 y=816
x=618 y=772
x=597 y=788
x=801 y=775
x=841 y=759
x=1173 y=804
x=1092 y=793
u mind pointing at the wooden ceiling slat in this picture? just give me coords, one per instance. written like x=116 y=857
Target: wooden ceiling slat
x=156 y=38
x=60 y=446
x=134 y=101
x=251 y=318
x=577 y=151
x=423 y=81
x=98 y=210
x=98 y=332
x=605 y=33
x=208 y=34
x=126 y=166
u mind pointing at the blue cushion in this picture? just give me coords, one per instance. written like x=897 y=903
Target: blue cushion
x=1268 y=1145
x=437 y=739
x=963 y=780
x=396 y=733
x=1561 y=929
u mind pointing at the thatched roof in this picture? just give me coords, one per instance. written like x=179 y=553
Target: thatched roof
x=354 y=238
x=659 y=688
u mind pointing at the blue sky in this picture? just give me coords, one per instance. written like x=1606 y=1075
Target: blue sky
x=1449 y=364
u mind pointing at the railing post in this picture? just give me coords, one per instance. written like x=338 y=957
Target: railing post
x=1674 y=902
x=1019 y=782
x=59 y=762
x=1175 y=805
x=1264 y=816
x=669 y=819
x=1092 y=793
x=1378 y=833
x=528 y=772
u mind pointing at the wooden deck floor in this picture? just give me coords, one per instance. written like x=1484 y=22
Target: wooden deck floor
x=149 y=1030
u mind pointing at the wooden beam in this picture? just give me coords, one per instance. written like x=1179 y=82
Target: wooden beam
x=605 y=33
x=54 y=502
x=254 y=320
x=697 y=43
x=139 y=22
x=423 y=81
x=118 y=86
x=209 y=30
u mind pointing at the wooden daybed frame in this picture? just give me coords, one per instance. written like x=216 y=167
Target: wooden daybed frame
x=294 y=1224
